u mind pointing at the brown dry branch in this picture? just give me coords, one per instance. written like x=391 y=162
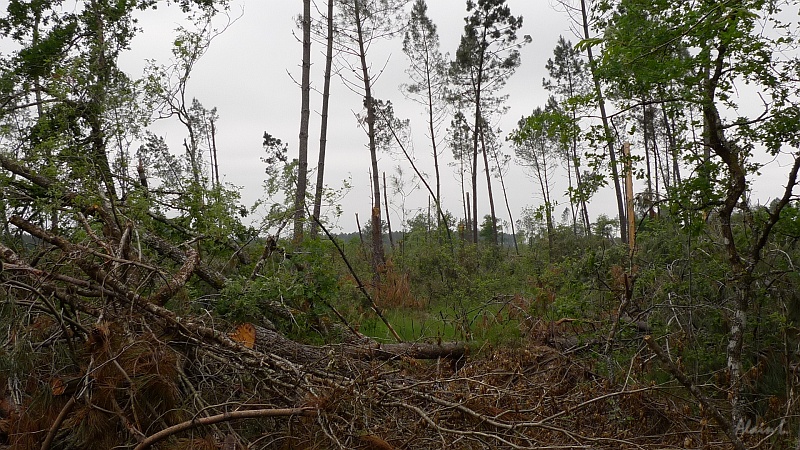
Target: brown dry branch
x=51 y=434
x=224 y=417
x=163 y=247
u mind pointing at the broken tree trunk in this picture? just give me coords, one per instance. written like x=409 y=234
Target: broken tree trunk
x=359 y=348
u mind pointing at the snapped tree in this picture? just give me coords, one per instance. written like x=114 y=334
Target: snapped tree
x=361 y=22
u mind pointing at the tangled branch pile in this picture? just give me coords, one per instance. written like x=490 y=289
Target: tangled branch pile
x=94 y=358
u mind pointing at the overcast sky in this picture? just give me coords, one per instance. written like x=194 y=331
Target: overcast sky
x=246 y=76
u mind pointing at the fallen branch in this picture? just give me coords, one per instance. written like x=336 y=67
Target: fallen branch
x=164 y=248
x=179 y=280
x=51 y=434
x=224 y=417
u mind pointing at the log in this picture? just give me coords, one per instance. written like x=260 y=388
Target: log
x=361 y=349
x=270 y=341
x=415 y=350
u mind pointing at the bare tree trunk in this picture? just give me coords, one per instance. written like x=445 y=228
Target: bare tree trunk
x=388 y=221
x=469 y=214
x=579 y=182
x=669 y=125
x=543 y=178
x=572 y=206
x=323 y=132
x=378 y=258
x=623 y=226
x=646 y=149
x=360 y=234
x=475 y=131
x=215 y=162
x=464 y=196
x=488 y=183
x=305 y=113
x=545 y=182
x=508 y=208
x=475 y=178
x=434 y=148
x=665 y=160
x=631 y=214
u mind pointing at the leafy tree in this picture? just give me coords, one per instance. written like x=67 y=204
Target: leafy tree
x=537 y=147
x=730 y=45
x=167 y=88
x=589 y=14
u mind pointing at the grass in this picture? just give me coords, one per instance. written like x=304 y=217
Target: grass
x=481 y=324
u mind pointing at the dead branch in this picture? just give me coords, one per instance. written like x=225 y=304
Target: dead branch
x=224 y=417
x=164 y=248
x=51 y=433
x=180 y=278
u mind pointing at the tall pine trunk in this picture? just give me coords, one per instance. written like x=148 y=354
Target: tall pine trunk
x=623 y=226
x=434 y=147
x=323 y=130
x=378 y=257
x=305 y=113
x=488 y=184
x=475 y=163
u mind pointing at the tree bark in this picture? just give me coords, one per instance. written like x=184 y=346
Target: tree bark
x=357 y=348
x=305 y=113
x=737 y=184
x=623 y=227
x=388 y=219
x=323 y=131
x=488 y=183
x=378 y=257
x=164 y=248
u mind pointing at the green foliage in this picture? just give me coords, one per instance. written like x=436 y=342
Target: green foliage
x=292 y=291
